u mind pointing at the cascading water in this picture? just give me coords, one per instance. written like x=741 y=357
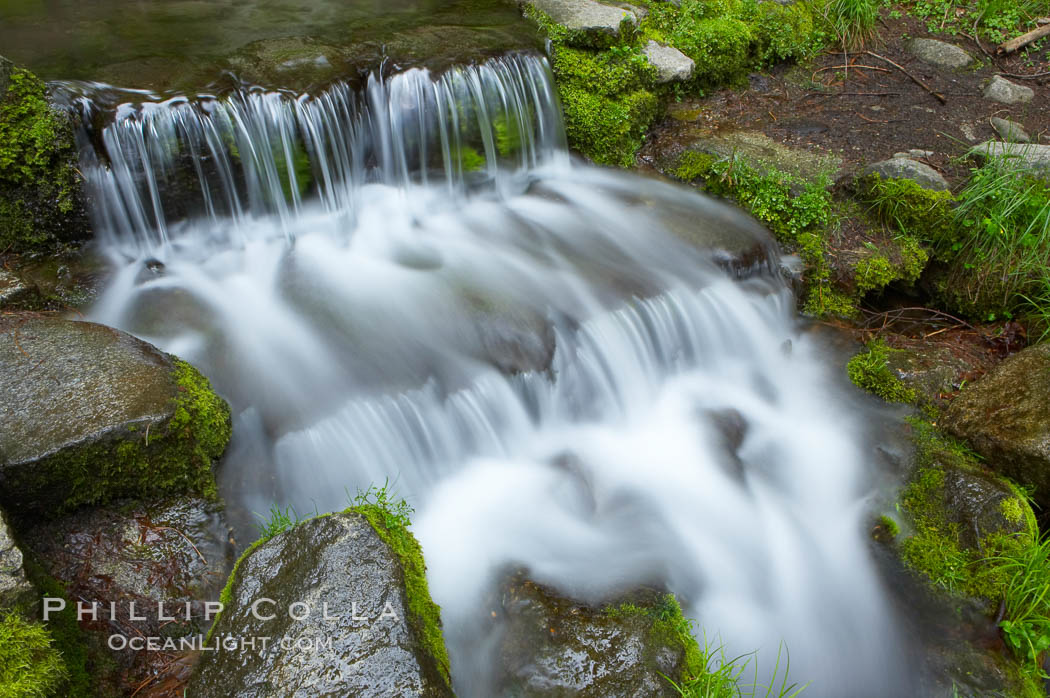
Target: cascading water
x=572 y=370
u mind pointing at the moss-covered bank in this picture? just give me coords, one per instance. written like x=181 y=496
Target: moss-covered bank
x=41 y=201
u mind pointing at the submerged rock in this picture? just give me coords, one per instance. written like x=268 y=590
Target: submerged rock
x=176 y=553
x=15 y=589
x=344 y=579
x=1004 y=417
x=92 y=414
x=939 y=53
x=553 y=646
x=671 y=64
x=906 y=168
x=587 y=23
x=1005 y=92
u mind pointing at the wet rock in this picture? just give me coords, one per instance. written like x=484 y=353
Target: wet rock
x=172 y=553
x=1005 y=92
x=553 y=646
x=92 y=414
x=934 y=372
x=939 y=53
x=13 y=291
x=762 y=152
x=671 y=64
x=915 y=154
x=1031 y=155
x=589 y=23
x=1010 y=130
x=15 y=589
x=380 y=646
x=906 y=168
x=1004 y=417
x=974 y=500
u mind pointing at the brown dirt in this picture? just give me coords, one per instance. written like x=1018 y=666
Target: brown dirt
x=864 y=115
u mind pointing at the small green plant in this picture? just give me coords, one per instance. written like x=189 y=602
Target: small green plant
x=396 y=512
x=852 y=22
x=1026 y=599
x=277 y=521
x=728 y=677
x=29 y=666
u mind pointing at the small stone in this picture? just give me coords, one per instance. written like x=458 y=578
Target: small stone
x=671 y=64
x=15 y=590
x=1005 y=92
x=906 y=168
x=915 y=154
x=1031 y=155
x=969 y=132
x=596 y=24
x=939 y=53
x=1010 y=130
x=12 y=289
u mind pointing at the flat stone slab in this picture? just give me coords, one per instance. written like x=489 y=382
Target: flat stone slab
x=1005 y=92
x=671 y=64
x=1010 y=130
x=939 y=53
x=1034 y=156
x=594 y=22
x=906 y=168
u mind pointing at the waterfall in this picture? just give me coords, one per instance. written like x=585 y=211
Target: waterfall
x=577 y=371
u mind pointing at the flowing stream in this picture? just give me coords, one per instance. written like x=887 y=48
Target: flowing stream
x=589 y=374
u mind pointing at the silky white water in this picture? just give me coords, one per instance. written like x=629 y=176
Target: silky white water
x=579 y=372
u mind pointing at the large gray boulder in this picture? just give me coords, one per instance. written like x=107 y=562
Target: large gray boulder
x=343 y=602
x=176 y=552
x=90 y=414
x=1005 y=92
x=15 y=589
x=939 y=53
x=585 y=22
x=906 y=168
x=1030 y=155
x=1004 y=417
x=554 y=646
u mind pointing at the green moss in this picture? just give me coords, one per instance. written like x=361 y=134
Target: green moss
x=607 y=73
x=30 y=667
x=720 y=46
x=921 y=213
x=606 y=129
x=870 y=371
x=784 y=32
x=39 y=183
x=891 y=527
x=693 y=165
x=138 y=463
x=822 y=300
x=1012 y=510
x=84 y=669
x=876 y=271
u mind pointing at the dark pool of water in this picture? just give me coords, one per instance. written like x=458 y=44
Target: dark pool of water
x=196 y=44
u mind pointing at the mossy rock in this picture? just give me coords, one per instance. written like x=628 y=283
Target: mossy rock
x=93 y=414
x=634 y=645
x=1004 y=416
x=960 y=515
x=41 y=197
x=383 y=626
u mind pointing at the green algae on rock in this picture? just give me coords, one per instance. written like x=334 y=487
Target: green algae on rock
x=41 y=203
x=383 y=625
x=96 y=415
x=870 y=371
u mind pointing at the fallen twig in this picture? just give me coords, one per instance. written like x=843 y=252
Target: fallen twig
x=1026 y=77
x=870 y=121
x=914 y=79
x=1023 y=40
